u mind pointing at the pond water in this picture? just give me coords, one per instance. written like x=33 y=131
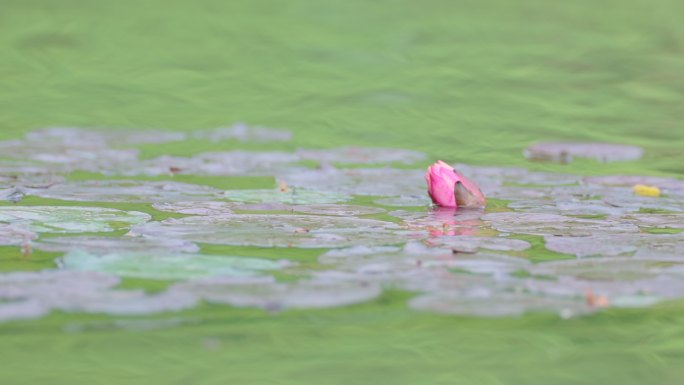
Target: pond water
x=148 y=235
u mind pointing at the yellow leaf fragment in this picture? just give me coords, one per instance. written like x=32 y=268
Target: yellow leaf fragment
x=646 y=191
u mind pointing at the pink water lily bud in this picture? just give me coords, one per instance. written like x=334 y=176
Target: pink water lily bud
x=448 y=188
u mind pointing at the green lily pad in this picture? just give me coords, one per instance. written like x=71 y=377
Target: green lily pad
x=70 y=219
x=290 y=196
x=170 y=266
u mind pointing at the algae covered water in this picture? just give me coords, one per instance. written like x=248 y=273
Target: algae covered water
x=316 y=82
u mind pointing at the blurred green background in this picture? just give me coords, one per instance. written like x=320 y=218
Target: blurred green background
x=465 y=81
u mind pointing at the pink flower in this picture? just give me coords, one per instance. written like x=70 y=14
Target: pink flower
x=448 y=188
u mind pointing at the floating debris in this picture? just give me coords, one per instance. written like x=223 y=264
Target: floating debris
x=646 y=191
x=563 y=152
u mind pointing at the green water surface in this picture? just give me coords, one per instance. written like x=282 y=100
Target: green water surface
x=465 y=81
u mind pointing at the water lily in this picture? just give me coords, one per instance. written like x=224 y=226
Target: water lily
x=448 y=188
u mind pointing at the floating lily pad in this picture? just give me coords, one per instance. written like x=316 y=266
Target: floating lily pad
x=70 y=219
x=195 y=208
x=316 y=209
x=563 y=152
x=126 y=302
x=363 y=155
x=106 y=245
x=421 y=273
x=442 y=221
x=13 y=235
x=490 y=177
x=33 y=294
x=243 y=133
x=498 y=305
x=77 y=155
x=569 y=206
x=306 y=231
x=551 y=224
x=74 y=136
x=244 y=163
x=605 y=269
x=610 y=245
x=675 y=221
x=406 y=266
x=470 y=244
x=290 y=196
x=373 y=181
x=625 y=199
x=631 y=180
x=21 y=172
x=161 y=265
x=278 y=296
x=21 y=310
x=405 y=201
x=126 y=191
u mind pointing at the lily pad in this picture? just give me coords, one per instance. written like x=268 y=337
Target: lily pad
x=405 y=267
x=674 y=221
x=32 y=294
x=106 y=245
x=290 y=196
x=605 y=269
x=168 y=266
x=278 y=296
x=244 y=133
x=132 y=191
x=498 y=305
x=77 y=136
x=371 y=181
x=13 y=235
x=316 y=209
x=563 y=152
x=405 y=201
x=551 y=224
x=305 y=231
x=243 y=163
x=80 y=154
x=70 y=219
x=442 y=221
x=195 y=208
x=631 y=180
x=471 y=244
x=362 y=155
x=610 y=245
